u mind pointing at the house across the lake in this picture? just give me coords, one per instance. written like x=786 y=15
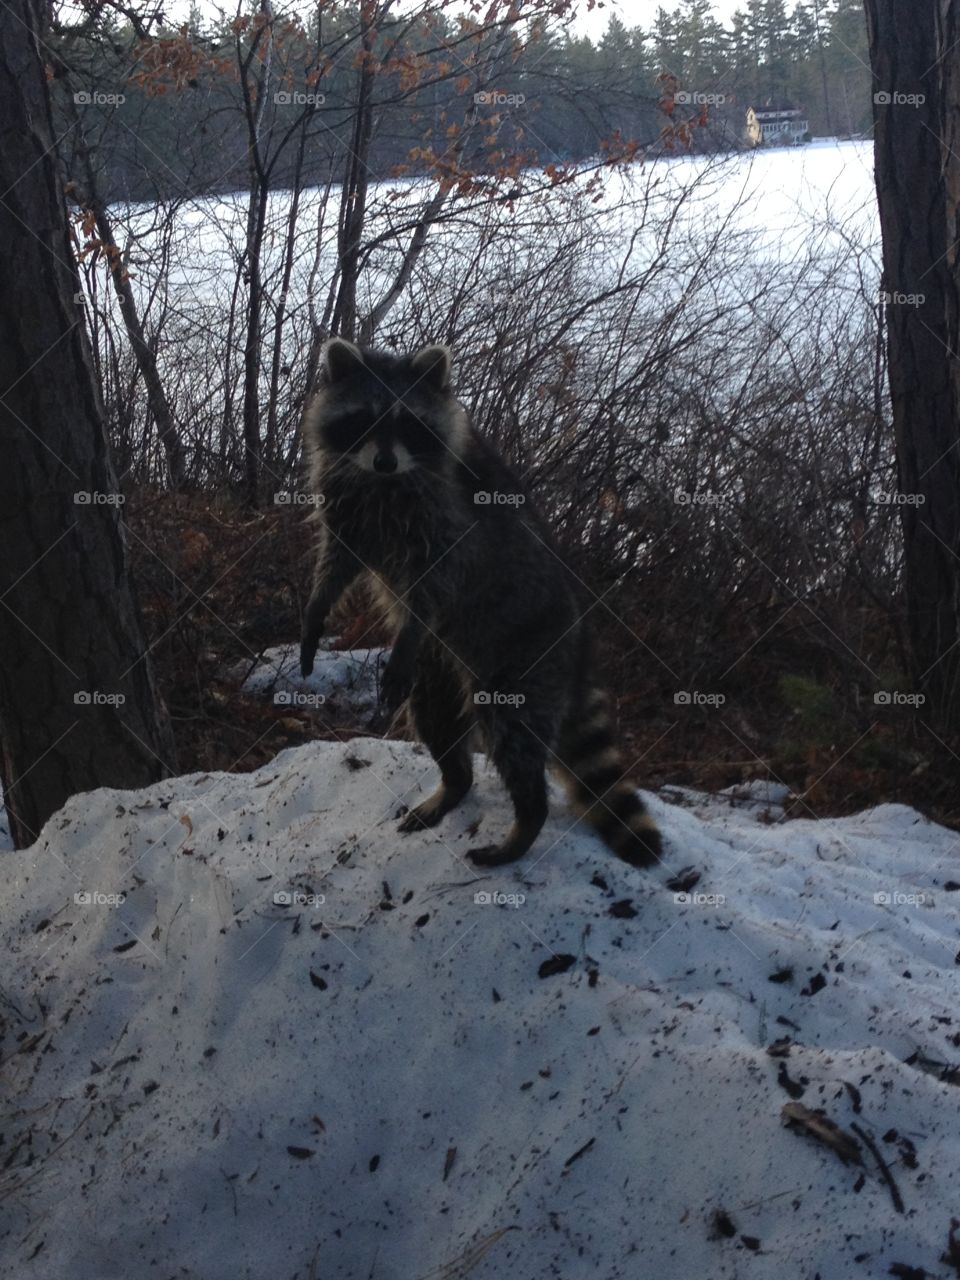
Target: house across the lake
x=777 y=124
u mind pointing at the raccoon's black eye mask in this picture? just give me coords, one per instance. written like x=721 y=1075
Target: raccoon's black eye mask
x=420 y=439
x=349 y=432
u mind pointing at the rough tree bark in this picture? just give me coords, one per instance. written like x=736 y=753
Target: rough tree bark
x=69 y=624
x=913 y=51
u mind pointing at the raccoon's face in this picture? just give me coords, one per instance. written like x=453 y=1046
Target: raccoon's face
x=386 y=415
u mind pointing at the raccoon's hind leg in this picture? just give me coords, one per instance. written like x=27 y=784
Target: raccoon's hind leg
x=444 y=727
x=520 y=759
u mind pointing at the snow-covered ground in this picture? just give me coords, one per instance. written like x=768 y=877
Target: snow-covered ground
x=302 y=1045
x=345 y=678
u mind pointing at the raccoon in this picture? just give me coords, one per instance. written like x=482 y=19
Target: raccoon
x=484 y=610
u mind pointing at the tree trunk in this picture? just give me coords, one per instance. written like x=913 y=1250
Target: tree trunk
x=251 y=350
x=823 y=67
x=78 y=707
x=255 y=100
x=142 y=351
x=913 y=50
x=353 y=196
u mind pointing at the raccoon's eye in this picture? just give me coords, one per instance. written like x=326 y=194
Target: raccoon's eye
x=347 y=433
x=419 y=437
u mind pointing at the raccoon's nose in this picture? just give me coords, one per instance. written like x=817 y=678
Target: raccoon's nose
x=385 y=463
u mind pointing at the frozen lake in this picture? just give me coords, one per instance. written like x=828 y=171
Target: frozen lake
x=780 y=202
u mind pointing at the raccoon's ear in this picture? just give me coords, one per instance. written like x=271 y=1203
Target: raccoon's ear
x=432 y=366
x=341 y=360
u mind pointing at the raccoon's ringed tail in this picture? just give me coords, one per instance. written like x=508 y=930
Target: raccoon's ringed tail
x=592 y=768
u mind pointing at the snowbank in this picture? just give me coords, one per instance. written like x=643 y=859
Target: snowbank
x=392 y=1077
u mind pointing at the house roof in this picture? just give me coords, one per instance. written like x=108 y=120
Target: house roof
x=775 y=106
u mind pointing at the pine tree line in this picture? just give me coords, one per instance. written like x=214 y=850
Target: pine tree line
x=559 y=97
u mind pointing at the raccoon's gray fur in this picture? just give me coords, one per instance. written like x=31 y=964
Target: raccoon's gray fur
x=484 y=609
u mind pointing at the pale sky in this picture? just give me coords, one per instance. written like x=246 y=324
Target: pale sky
x=632 y=13
x=641 y=13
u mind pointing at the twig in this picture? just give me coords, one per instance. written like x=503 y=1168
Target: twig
x=767 y=1199
x=883 y=1166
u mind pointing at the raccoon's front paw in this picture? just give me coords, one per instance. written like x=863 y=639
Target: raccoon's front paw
x=494 y=855
x=420 y=818
x=308 y=651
